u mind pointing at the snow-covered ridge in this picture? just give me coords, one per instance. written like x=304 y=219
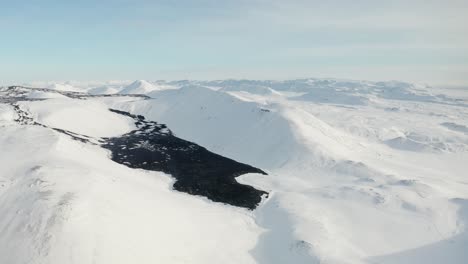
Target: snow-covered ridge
x=138 y=87
x=196 y=170
x=359 y=172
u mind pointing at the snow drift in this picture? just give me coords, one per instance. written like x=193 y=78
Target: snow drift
x=359 y=172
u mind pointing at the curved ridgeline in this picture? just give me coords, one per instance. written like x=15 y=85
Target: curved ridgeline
x=154 y=147
x=197 y=171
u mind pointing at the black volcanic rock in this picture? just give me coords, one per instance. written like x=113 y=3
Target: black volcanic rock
x=153 y=146
x=197 y=171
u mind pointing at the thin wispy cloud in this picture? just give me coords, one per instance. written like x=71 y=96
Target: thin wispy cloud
x=150 y=39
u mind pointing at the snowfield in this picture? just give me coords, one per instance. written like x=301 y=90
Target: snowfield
x=358 y=172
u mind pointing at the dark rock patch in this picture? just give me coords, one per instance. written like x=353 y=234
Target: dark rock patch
x=197 y=171
x=152 y=146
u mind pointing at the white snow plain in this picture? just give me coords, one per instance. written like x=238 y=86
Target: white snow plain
x=359 y=172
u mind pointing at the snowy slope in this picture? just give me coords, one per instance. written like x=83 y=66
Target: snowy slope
x=102 y=90
x=66 y=202
x=139 y=87
x=359 y=172
x=63 y=87
x=221 y=123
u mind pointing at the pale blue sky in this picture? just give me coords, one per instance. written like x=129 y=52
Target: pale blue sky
x=259 y=39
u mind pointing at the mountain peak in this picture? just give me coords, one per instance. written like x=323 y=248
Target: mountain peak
x=139 y=87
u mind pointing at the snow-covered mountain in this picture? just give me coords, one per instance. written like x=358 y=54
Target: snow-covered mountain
x=103 y=90
x=234 y=171
x=139 y=87
x=63 y=87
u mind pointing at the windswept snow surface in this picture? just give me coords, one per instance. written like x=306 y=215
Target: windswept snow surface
x=358 y=172
x=143 y=87
x=63 y=87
